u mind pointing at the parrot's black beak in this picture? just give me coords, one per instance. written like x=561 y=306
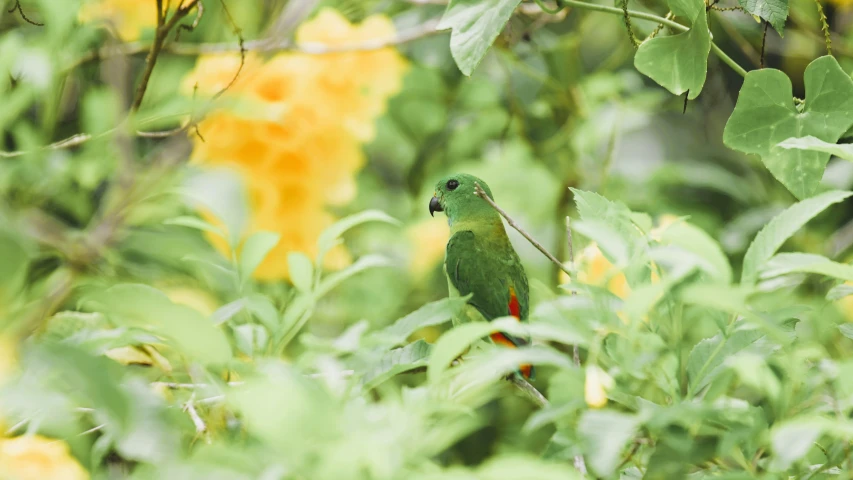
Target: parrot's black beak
x=434 y=206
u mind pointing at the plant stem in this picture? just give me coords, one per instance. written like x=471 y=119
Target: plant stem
x=657 y=19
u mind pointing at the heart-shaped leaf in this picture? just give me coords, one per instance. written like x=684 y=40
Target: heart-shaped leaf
x=765 y=115
x=774 y=11
x=679 y=63
x=475 y=25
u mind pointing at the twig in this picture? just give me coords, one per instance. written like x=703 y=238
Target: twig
x=162 y=32
x=763 y=44
x=482 y=194
x=240 y=41
x=20 y=9
x=529 y=390
x=14 y=428
x=189 y=407
x=92 y=430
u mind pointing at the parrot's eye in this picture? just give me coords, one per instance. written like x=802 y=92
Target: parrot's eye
x=452 y=184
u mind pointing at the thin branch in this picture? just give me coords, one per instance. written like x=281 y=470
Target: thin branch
x=92 y=430
x=20 y=9
x=81 y=138
x=200 y=427
x=162 y=32
x=763 y=44
x=482 y=194
x=529 y=390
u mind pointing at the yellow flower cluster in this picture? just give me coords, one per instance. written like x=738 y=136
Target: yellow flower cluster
x=33 y=457
x=294 y=128
x=126 y=17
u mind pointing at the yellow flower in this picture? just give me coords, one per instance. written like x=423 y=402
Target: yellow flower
x=292 y=127
x=595 y=387
x=127 y=17
x=34 y=457
x=594 y=269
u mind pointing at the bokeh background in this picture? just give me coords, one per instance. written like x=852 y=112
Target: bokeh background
x=287 y=116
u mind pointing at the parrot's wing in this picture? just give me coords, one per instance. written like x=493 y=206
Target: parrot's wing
x=495 y=280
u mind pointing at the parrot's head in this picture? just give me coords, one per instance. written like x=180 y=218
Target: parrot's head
x=455 y=196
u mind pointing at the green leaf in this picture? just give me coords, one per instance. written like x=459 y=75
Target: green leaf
x=788 y=263
x=456 y=340
x=846 y=329
x=509 y=466
x=364 y=263
x=775 y=233
x=254 y=250
x=434 y=313
x=144 y=307
x=263 y=308
x=774 y=11
x=13 y=267
x=250 y=338
x=227 y=311
x=706 y=358
x=301 y=271
x=678 y=63
x=609 y=240
x=765 y=115
x=843 y=151
x=695 y=240
x=475 y=24
x=397 y=361
x=793 y=438
x=839 y=291
x=330 y=237
x=197 y=223
x=605 y=433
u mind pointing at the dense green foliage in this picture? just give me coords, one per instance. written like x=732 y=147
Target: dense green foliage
x=709 y=244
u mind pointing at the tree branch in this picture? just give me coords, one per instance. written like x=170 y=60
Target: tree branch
x=162 y=32
x=482 y=194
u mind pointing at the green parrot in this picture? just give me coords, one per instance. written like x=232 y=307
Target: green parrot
x=479 y=259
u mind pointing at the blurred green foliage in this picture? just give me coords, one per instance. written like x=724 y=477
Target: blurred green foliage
x=725 y=353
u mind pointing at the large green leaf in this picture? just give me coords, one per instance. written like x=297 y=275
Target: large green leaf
x=765 y=115
x=843 y=151
x=775 y=233
x=706 y=358
x=144 y=307
x=254 y=250
x=774 y=11
x=595 y=209
x=434 y=313
x=695 y=240
x=455 y=341
x=605 y=433
x=331 y=236
x=396 y=361
x=788 y=263
x=475 y=24
x=793 y=438
x=679 y=63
